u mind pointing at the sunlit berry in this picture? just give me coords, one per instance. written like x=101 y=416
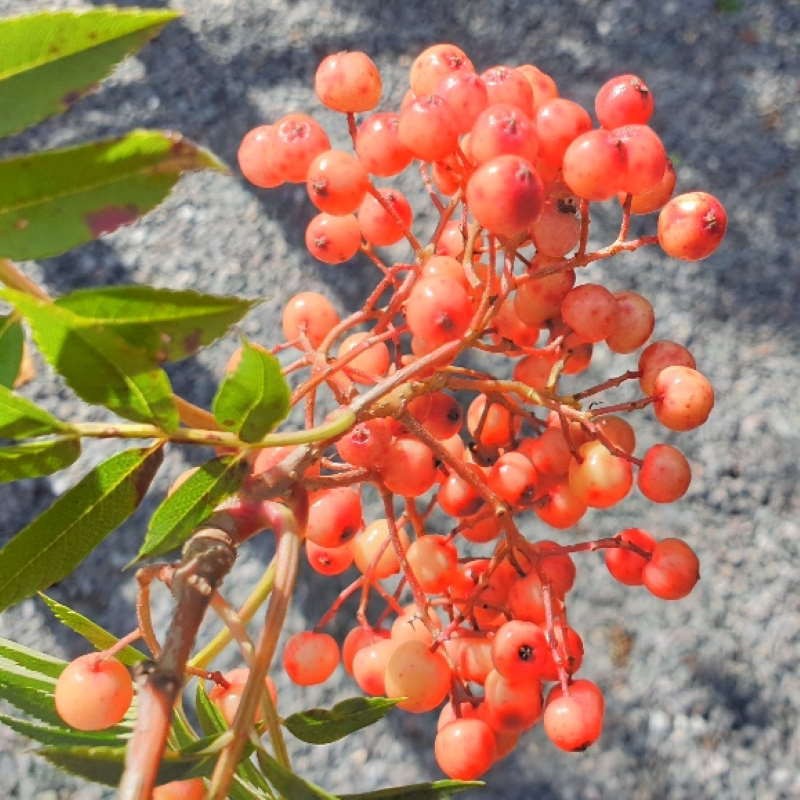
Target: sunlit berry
x=93 y=692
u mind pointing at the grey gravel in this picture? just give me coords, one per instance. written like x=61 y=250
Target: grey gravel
x=703 y=695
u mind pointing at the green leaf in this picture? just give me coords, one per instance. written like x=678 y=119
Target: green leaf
x=50 y=60
x=91 y=631
x=53 y=735
x=28 y=679
x=51 y=546
x=208 y=715
x=169 y=325
x=240 y=789
x=20 y=418
x=191 y=503
x=288 y=784
x=30 y=660
x=105 y=764
x=323 y=726
x=34 y=702
x=12 y=341
x=98 y=364
x=37 y=458
x=212 y=722
x=255 y=397
x=56 y=200
x=438 y=790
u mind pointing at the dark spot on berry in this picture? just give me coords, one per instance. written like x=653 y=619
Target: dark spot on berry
x=525 y=652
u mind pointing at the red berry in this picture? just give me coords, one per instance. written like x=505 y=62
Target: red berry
x=673 y=570
x=310 y=657
x=594 y=165
x=625 y=565
x=93 y=692
x=665 y=474
x=505 y=195
x=336 y=182
x=623 y=100
x=434 y=64
x=309 y=313
x=379 y=226
x=256 y=159
x=298 y=140
x=428 y=128
x=378 y=145
x=465 y=749
x=419 y=675
x=599 y=478
x=333 y=239
x=574 y=721
x=191 y=789
x=438 y=311
x=348 y=82
x=684 y=398
x=691 y=226
x=520 y=650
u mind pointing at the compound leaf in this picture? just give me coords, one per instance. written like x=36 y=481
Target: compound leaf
x=49 y=60
x=191 y=503
x=37 y=458
x=56 y=200
x=169 y=325
x=91 y=631
x=51 y=546
x=98 y=364
x=323 y=726
x=255 y=397
x=12 y=342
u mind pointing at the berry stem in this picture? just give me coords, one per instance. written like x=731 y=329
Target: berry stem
x=289 y=530
x=254 y=601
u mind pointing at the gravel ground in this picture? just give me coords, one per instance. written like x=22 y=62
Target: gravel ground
x=703 y=695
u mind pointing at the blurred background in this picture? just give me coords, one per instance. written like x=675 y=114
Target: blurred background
x=703 y=695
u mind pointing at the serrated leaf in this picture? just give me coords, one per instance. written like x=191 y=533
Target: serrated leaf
x=191 y=503
x=50 y=60
x=240 y=789
x=208 y=715
x=105 y=764
x=30 y=660
x=28 y=679
x=437 y=790
x=212 y=722
x=98 y=364
x=37 y=458
x=35 y=703
x=91 y=631
x=255 y=397
x=169 y=325
x=12 y=342
x=56 y=200
x=323 y=726
x=56 y=735
x=21 y=419
x=51 y=546
x=286 y=783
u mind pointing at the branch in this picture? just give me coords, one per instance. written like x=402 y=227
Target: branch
x=207 y=557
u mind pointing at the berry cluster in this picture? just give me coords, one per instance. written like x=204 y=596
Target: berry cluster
x=473 y=618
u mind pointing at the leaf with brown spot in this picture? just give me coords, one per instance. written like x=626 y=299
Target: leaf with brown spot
x=50 y=60
x=53 y=201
